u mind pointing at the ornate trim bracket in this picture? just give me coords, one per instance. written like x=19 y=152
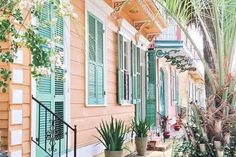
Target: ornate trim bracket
x=118 y=6
x=139 y=24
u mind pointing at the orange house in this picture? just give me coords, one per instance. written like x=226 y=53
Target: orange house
x=104 y=55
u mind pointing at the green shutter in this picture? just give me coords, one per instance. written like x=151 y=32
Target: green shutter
x=95 y=60
x=92 y=61
x=59 y=129
x=139 y=84
x=100 y=65
x=45 y=17
x=134 y=72
x=151 y=87
x=120 y=69
x=42 y=123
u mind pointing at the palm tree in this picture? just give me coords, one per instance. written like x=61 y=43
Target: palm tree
x=217 y=22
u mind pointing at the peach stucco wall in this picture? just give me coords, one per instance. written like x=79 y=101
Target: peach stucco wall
x=86 y=118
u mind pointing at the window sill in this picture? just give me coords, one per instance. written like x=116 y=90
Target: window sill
x=126 y=104
x=96 y=105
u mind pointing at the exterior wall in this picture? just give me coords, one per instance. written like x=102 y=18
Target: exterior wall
x=4 y=110
x=15 y=106
x=87 y=117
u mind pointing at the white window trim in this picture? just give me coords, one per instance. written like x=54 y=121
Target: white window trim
x=101 y=10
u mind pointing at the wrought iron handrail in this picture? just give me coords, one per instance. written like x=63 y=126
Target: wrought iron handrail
x=52 y=135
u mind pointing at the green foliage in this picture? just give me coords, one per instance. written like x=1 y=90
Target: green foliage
x=140 y=127
x=112 y=134
x=18 y=32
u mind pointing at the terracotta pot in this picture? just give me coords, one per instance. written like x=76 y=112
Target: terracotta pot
x=217 y=145
x=176 y=127
x=113 y=153
x=141 y=145
x=166 y=134
x=202 y=147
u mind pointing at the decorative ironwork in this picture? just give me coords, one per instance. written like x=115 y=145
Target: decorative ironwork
x=161 y=53
x=50 y=136
x=181 y=62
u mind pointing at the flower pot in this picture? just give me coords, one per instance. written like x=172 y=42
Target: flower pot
x=202 y=147
x=220 y=153
x=217 y=145
x=176 y=127
x=166 y=134
x=113 y=153
x=141 y=145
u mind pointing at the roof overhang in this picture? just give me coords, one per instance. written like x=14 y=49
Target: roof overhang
x=142 y=15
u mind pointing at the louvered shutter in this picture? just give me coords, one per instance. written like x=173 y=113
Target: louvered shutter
x=92 y=61
x=44 y=122
x=177 y=89
x=100 y=64
x=120 y=69
x=138 y=76
x=45 y=17
x=134 y=72
x=59 y=73
x=59 y=129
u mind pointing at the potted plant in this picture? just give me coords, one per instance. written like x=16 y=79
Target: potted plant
x=141 y=129
x=112 y=137
x=164 y=123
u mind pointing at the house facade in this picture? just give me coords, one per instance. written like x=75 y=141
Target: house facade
x=107 y=74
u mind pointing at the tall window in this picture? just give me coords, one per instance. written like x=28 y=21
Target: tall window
x=95 y=61
x=124 y=82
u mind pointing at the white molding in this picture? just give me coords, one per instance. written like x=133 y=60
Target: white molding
x=16 y=116
x=19 y=57
x=17 y=76
x=17 y=96
x=17 y=153
x=126 y=29
x=143 y=43
x=16 y=137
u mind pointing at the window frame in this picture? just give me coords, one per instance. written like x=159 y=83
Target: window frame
x=101 y=20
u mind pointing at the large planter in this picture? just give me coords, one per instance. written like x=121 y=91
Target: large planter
x=141 y=145
x=113 y=153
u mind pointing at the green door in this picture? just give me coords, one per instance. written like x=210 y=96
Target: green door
x=50 y=91
x=162 y=93
x=151 y=87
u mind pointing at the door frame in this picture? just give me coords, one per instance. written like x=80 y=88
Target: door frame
x=67 y=109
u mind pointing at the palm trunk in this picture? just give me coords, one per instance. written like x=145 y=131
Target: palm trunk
x=208 y=57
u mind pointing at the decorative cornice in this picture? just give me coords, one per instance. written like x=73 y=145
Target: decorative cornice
x=151 y=36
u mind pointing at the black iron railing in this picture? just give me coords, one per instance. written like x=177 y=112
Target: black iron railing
x=53 y=132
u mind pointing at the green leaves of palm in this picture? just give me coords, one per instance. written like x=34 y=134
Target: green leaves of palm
x=112 y=134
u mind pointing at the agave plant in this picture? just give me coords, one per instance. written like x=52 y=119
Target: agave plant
x=112 y=134
x=140 y=127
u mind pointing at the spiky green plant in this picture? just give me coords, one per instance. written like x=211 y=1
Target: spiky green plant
x=140 y=127
x=112 y=134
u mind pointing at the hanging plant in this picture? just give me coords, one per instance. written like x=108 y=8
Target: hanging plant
x=17 y=32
